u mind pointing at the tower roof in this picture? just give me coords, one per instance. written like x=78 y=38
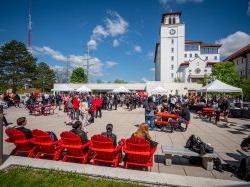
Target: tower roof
x=169 y=14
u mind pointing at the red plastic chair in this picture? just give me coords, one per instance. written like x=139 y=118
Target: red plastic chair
x=46 y=147
x=104 y=151
x=138 y=153
x=73 y=144
x=22 y=144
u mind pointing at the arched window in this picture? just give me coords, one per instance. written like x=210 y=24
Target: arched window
x=169 y=20
x=173 y=20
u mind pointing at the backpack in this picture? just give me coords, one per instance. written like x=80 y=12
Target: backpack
x=244 y=169
x=197 y=145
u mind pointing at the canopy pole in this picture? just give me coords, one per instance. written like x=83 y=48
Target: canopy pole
x=242 y=99
x=206 y=97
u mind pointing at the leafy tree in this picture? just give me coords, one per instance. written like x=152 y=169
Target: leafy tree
x=45 y=77
x=118 y=81
x=226 y=73
x=246 y=89
x=78 y=76
x=17 y=65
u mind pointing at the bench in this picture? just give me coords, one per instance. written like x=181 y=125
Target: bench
x=170 y=151
x=244 y=153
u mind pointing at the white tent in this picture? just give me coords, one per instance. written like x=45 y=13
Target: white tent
x=121 y=90
x=159 y=90
x=218 y=86
x=64 y=88
x=83 y=89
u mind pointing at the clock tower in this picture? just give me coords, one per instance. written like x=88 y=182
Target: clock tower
x=171 y=47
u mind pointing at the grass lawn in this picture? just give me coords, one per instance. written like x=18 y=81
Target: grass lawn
x=17 y=176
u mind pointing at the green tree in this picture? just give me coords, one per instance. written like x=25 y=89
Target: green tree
x=45 y=77
x=118 y=81
x=246 y=89
x=78 y=76
x=17 y=65
x=226 y=73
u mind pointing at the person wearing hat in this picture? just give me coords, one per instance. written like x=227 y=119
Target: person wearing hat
x=77 y=129
x=109 y=133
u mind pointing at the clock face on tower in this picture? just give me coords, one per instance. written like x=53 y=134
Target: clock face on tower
x=172 y=31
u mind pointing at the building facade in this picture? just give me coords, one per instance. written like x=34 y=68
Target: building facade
x=181 y=60
x=241 y=60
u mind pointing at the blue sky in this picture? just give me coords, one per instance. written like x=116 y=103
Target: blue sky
x=124 y=32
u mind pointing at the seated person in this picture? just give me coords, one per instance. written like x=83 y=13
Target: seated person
x=77 y=129
x=109 y=133
x=143 y=132
x=21 y=122
x=245 y=144
x=185 y=114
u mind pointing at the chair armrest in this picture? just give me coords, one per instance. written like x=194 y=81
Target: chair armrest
x=118 y=149
x=87 y=144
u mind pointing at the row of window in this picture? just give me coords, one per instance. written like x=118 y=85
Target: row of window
x=209 y=50
x=238 y=61
x=196 y=55
x=243 y=72
x=191 y=47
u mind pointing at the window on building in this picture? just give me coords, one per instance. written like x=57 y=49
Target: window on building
x=172 y=67
x=172 y=49
x=215 y=57
x=172 y=75
x=209 y=50
x=196 y=55
x=185 y=55
x=190 y=55
x=172 y=41
x=189 y=47
x=169 y=20
x=172 y=58
x=174 y=20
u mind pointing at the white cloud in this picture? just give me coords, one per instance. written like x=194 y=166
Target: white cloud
x=116 y=43
x=95 y=65
x=167 y=3
x=152 y=69
x=233 y=42
x=248 y=9
x=144 y=79
x=137 y=49
x=114 y=25
x=92 y=44
x=110 y=64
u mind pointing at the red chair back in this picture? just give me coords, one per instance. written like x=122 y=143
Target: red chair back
x=43 y=140
x=103 y=147
x=15 y=136
x=137 y=150
x=72 y=142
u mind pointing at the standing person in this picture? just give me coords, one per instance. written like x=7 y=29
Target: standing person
x=17 y=100
x=225 y=108
x=150 y=109
x=84 y=111
x=172 y=103
x=99 y=103
x=185 y=116
x=115 y=101
x=122 y=99
x=58 y=99
x=76 y=106
x=92 y=110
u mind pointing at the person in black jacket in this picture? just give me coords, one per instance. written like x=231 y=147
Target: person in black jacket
x=21 y=122
x=77 y=129
x=109 y=133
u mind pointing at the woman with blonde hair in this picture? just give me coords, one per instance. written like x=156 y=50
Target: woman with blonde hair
x=142 y=132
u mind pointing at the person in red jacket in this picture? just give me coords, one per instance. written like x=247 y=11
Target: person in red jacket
x=76 y=106
x=99 y=102
x=92 y=109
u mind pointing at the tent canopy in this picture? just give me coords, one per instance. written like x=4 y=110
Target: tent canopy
x=83 y=89
x=218 y=86
x=64 y=87
x=158 y=90
x=121 y=90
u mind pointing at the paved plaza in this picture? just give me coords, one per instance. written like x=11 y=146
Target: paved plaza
x=225 y=139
